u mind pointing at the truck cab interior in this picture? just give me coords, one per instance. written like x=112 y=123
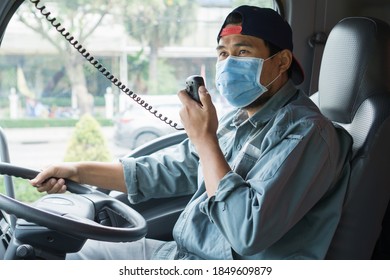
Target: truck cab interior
x=344 y=49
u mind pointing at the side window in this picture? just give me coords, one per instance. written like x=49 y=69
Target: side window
x=47 y=87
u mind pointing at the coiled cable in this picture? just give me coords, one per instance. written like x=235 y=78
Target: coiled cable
x=96 y=64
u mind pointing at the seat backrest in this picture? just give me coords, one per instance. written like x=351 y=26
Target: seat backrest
x=354 y=92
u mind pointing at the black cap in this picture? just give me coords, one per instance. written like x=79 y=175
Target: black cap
x=268 y=25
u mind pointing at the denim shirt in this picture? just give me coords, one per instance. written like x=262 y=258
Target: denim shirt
x=282 y=199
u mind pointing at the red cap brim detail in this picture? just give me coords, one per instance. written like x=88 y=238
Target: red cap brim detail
x=231 y=30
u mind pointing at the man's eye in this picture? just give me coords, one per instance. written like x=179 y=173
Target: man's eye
x=222 y=54
x=242 y=52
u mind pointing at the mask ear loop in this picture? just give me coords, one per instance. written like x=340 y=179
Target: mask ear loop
x=270 y=83
x=277 y=77
x=268 y=58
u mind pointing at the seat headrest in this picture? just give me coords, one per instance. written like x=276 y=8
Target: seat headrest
x=355 y=66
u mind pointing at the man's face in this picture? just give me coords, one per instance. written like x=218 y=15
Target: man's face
x=248 y=46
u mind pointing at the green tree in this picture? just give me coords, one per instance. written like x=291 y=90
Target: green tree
x=158 y=23
x=87 y=142
x=81 y=19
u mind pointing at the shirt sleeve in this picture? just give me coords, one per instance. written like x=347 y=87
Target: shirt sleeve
x=165 y=174
x=294 y=171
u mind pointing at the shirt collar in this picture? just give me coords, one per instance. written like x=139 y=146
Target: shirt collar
x=279 y=100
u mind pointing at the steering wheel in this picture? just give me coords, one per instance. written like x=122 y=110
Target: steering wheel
x=75 y=226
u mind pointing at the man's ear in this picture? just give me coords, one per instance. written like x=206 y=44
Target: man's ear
x=286 y=59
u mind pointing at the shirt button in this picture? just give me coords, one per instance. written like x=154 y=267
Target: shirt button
x=239 y=146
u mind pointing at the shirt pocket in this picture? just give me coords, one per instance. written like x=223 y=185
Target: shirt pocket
x=271 y=160
x=246 y=159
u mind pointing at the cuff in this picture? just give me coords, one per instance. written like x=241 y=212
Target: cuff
x=130 y=174
x=226 y=186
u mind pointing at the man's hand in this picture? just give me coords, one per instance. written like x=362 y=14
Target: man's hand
x=199 y=120
x=51 y=179
x=201 y=123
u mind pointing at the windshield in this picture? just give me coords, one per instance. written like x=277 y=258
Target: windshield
x=58 y=106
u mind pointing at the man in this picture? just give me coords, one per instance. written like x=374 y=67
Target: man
x=268 y=180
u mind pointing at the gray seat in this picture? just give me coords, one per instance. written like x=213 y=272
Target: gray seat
x=354 y=92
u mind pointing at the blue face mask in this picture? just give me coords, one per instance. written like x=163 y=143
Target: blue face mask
x=238 y=79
